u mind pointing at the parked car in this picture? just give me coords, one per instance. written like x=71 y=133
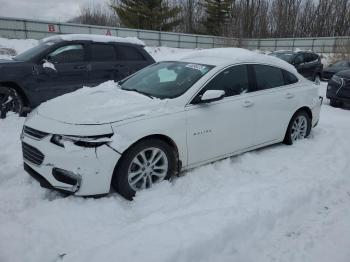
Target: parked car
x=171 y=116
x=329 y=71
x=308 y=64
x=338 y=89
x=65 y=63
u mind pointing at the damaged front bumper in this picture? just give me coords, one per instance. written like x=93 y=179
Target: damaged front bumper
x=81 y=171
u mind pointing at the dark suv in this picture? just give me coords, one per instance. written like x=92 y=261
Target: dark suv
x=308 y=64
x=338 y=89
x=64 y=63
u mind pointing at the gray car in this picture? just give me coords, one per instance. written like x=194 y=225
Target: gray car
x=332 y=69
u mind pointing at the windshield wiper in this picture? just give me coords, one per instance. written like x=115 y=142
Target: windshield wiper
x=138 y=91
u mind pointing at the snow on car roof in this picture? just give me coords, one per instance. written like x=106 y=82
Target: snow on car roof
x=94 y=38
x=223 y=56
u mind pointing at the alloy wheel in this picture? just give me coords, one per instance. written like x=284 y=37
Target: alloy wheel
x=9 y=103
x=299 y=128
x=148 y=167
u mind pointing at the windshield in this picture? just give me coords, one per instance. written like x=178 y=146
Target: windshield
x=341 y=64
x=31 y=53
x=284 y=56
x=166 y=79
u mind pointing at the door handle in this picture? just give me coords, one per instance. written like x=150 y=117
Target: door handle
x=248 y=103
x=79 y=67
x=289 y=95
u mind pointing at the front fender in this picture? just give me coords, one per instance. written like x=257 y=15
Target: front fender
x=172 y=126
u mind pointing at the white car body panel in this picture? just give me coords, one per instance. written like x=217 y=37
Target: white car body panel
x=202 y=133
x=218 y=128
x=94 y=166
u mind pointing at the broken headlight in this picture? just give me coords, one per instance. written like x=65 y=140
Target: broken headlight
x=82 y=141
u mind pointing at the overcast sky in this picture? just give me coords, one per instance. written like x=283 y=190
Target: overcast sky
x=44 y=9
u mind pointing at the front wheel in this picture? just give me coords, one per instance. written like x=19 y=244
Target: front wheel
x=10 y=101
x=146 y=163
x=299 y=128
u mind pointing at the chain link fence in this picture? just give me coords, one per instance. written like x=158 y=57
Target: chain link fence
x=37 y=29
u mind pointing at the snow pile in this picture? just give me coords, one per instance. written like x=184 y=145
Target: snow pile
x=18 y=45
x=162 y=53
x=95 y=38
x=106 y=102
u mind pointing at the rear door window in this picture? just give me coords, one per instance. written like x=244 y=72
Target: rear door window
x=289 y=78
x=268 y=77
x=129 y=53
x=299 y=59
x=103 y=52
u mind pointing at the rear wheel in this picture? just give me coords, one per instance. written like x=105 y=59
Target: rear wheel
x=10 y=102
x=299 y=128
x=146 y=163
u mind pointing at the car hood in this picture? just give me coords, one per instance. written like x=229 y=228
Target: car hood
x=106 y=103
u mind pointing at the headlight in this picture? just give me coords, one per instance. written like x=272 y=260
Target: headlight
x=338 y=80
x=82 y=141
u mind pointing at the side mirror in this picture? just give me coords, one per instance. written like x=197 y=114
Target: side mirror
x=212 y=95
x=48 y=67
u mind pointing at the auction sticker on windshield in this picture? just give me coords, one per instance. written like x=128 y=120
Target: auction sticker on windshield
x=196 y=67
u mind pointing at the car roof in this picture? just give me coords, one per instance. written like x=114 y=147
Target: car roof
x=93 y=38
x=292 y=52
x=283 y=52
x=227 y=56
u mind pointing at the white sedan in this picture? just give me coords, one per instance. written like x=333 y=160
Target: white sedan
x=171 y=116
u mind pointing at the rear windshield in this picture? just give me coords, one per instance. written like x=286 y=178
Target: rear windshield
x=288 y=57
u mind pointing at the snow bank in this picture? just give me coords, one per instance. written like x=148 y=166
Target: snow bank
x=163 y=53
x=103 y=104
x=95 y=38
x=18 y=45
x=281 y=203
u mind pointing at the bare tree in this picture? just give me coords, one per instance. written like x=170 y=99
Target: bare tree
x=96 y=14
x=284 y=14
x=192 y=14
x=247 y=18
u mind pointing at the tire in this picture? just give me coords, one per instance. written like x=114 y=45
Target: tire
x=335 y=103
x=10 y=101
x=292 y=132
x=146 y=173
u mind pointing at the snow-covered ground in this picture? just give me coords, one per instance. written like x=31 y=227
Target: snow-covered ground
x=18 y=45
x=280 y=203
